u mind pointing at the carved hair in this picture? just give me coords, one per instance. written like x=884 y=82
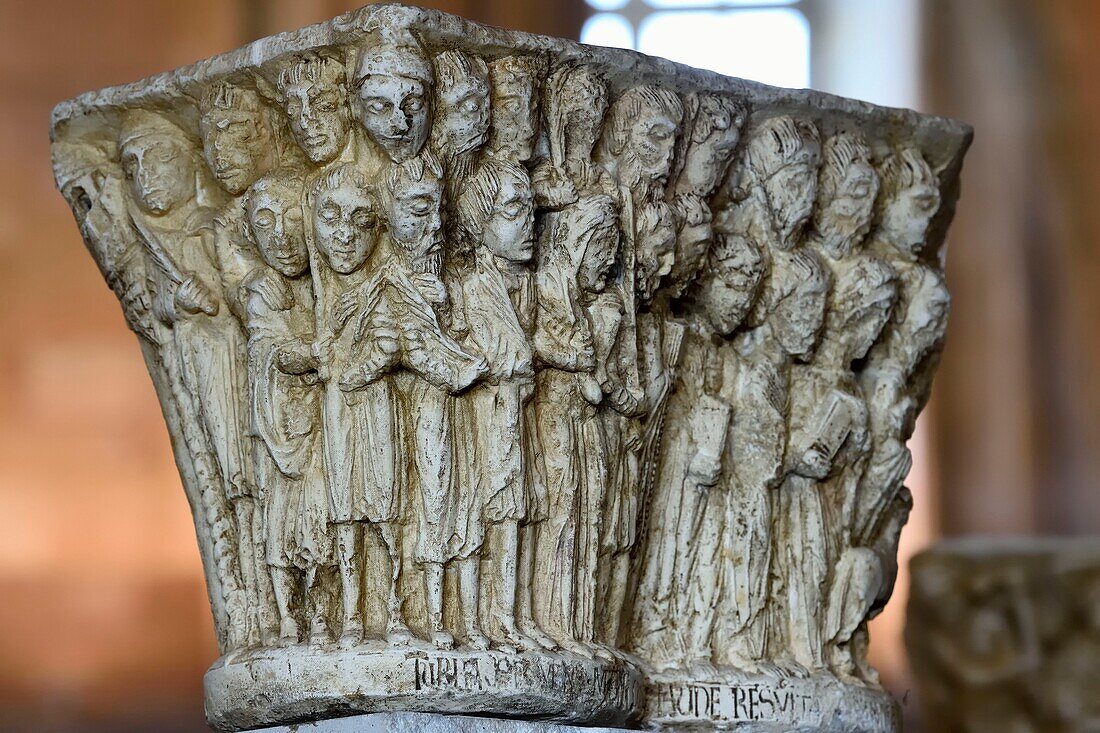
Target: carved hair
x=137 y=124
x=797 y=273
x=779 y=142
x=413 y=170
x=452 y=66
x=480 y=190
x=569 y=87
x=517 y=69
x=346 y=175
x=576 y=225
x=402 y=56
x=311 y=66
x=631 y=105
x=224 y=95
x=905 y=169
x=838 y=153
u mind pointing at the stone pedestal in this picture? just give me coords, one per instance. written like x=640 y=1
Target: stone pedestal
x=1004 y=635
x=517 y=378
x=431 y=723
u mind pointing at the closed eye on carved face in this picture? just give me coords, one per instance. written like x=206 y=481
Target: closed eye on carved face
x=264 y=218
x=329 y=212
x=362 y=218
x=513 y=208
x=324 y=100
x=377 y=105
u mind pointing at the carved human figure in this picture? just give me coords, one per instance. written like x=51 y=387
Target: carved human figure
x=515 y=82
x=575 y=100
x=712 y=129
x=461 y=124
x=357 y=410
x=189 y=297
x=312 y=88
x=826 y=456
x=393 y=83
x=285 y=405
x=496 y=211
x=438 y=425
x=779 y=176
x=238 y=137
x=577 y=252
x=896 y=377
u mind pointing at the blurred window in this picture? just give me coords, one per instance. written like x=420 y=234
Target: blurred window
x=762 y=40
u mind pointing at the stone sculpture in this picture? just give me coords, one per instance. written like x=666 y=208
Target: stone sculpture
x=512 y=377
x=1004 y=635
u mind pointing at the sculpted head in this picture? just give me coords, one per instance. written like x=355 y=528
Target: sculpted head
x=413 y=197
x=583 y=238
x=514 y=127
x=238 y=138
x=641 y=133
x=497 y=209
x=345 y=218
x=462 y=104
x=714 y=129
x=792 y=302
x=859 y=307
x=846 y=190
x=575 y=104
x=312 y=88
x=273 y=205
x=393 y=82
x=654 y=248
x=157 y=160
x=732 y=282
x=910 y=197
x=782 y=155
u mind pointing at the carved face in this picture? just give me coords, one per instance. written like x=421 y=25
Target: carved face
x=656 y=242
x=858 y=331
x=599 y=259
x=709 y=158
x=237 y=145
x=319 y=117
x=345 y=224
x=514 y=118
x=415 y=222
x=161 y=173
x=796 y=321
x=275 y=216
x=652 y=142
x=587 y=106
x=510 y=231
x=464 y=119
x=906 y=216
x=845 y=218
x=395 y=112
x=791 y=191
x=729 y=292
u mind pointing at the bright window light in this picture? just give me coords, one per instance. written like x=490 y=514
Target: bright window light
x=608 y=29
x=750 y=39
x=770 y=46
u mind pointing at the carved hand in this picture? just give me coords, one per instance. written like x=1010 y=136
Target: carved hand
x=194 y=297
x=705 y=469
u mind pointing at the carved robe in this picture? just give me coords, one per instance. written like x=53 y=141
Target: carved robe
x=211 y=348
x=574 y=462
x=499 y=312
x=286 y=420
x=360 y=455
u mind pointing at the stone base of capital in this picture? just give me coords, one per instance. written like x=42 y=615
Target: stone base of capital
x=290 y=685
x=820 y=703
x=430 y=723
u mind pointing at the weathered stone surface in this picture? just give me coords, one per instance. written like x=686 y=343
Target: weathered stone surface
x=430 y=723
x=511 y=376
x=1004 y=635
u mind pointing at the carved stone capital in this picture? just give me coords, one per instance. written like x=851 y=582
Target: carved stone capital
x=514 y=377
x=1004 y=634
